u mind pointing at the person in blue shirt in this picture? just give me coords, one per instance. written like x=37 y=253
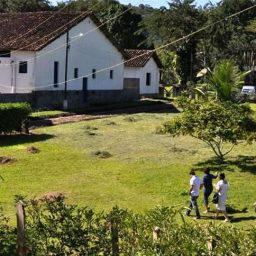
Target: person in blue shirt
x=207 y=183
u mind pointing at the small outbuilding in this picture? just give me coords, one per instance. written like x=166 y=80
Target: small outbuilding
x=143 y=67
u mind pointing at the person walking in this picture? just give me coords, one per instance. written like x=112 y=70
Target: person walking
x=222 y=189
x=208 y=187
x=195 y=185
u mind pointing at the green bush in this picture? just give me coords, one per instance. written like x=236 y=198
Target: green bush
x=13 y=116
x=7 y=236
x=55 y=228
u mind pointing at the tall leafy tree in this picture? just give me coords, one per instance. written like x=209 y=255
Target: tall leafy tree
x=24 y=6
x=125 y=26
x=229 y=37
x=121 y=21
x=181 y=18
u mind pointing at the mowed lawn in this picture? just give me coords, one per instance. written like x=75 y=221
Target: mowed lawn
x=144 y=169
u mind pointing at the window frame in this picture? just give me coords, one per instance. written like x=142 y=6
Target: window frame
x=111 y=74
x=23 y=67
x=76 y=72
x=94 y=73
x=148 y=79
x=5 y=54
x=56 y=74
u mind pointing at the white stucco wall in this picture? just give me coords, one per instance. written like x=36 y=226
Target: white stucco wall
x=90 y=51
x=11 y=81
x=5 y=75
x=150 y=67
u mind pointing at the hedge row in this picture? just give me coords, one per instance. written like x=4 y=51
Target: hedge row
x=13 y=116
x=55 y=228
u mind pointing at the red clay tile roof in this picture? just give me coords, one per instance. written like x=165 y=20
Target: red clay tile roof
x=14 y=26
x=139 y=58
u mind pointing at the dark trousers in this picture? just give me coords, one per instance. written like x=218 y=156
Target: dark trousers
x=193 y=204
x=207 y=193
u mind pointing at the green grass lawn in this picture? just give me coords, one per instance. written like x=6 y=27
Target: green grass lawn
x=145 y=169
x=48 y=113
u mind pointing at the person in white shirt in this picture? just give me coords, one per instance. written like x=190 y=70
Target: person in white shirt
x=222 y=189
x=195 y=185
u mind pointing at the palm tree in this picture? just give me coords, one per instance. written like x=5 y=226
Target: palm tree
x=225 y=80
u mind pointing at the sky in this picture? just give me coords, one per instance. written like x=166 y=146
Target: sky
x=158 y=3
x=155 y=3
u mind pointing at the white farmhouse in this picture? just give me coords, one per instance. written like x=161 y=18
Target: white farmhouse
x=37 y=66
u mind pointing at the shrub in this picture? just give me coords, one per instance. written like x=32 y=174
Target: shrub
x=55 y=228
x=13 y=116
x=7 y=236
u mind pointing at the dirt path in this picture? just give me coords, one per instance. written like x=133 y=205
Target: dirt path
x=156 y=108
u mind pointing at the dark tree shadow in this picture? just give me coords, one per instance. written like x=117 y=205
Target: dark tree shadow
x=240 y=163
x=232 y=210
x=245 y=218
x=9 y=140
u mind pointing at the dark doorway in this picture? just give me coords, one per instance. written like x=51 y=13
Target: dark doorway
x=85 y=91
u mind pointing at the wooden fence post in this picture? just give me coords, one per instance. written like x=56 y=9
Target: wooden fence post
x=156 y=233
x=114 y=238
x=211 y=244
x=21 y=238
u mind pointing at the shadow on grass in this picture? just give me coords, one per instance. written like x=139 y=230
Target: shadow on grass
x=145 y=106
x=245 y=218
x=240 y=163
x=9 y=140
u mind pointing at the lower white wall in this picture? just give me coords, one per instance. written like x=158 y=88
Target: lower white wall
x=5 y=75
x=11 y=81
x=141 y=73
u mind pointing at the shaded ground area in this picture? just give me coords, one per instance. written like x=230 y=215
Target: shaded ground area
x=9 y=140
x=241 y=163
x=98 y=113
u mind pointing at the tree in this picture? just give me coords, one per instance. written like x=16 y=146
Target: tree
x=229 y=37
x=124 y=27
x=24 y=6
x=169 y=24
x=221 y=125
x=170 y=62
x=225 y=80
x=122 y=22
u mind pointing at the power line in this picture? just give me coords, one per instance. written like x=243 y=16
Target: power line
x=76 y=37
x=32 y=29
x=83 y=35
x=157 y=49
x=69 y=22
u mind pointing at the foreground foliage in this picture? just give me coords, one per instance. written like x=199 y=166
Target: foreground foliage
x=221 y=125
x=55 y=228
x=13 y=116
x=7 y=236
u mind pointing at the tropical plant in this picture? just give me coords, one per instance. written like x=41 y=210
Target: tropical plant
x=225 y=80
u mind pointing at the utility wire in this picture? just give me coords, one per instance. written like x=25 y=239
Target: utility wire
x=32 y=29
x=82 y=35
x=63 y=45
x=62 y=27
x=138 y=56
